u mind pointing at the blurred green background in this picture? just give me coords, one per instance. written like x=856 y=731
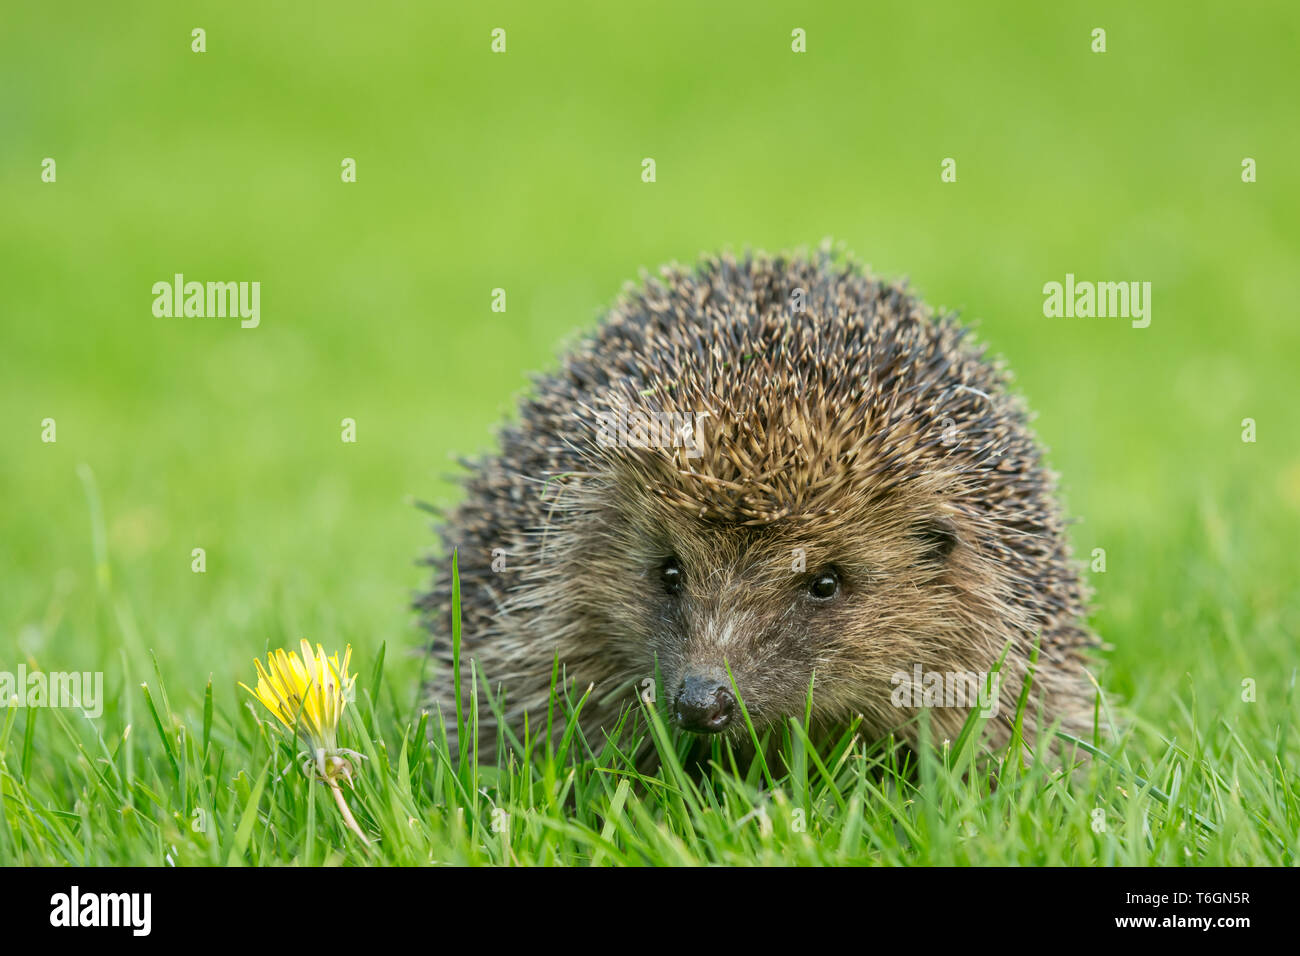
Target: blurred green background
x=523 y=171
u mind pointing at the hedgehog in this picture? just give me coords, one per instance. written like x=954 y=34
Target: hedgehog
x=779 y=485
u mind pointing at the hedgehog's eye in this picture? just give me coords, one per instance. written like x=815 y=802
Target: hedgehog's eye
x=671 y=575
x=824 y=586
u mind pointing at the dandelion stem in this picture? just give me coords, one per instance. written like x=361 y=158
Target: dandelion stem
x=347 y=813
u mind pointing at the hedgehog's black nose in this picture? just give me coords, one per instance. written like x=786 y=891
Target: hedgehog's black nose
x=704 y=705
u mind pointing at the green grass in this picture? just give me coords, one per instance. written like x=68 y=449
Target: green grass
x=207 y=783
x=523 y=172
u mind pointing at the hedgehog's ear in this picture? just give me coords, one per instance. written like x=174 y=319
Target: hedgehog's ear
x=938 y=537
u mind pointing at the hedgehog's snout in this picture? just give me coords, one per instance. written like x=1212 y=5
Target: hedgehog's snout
x=705 y=705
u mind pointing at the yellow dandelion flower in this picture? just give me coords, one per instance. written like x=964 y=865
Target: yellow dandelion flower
x=308 y=695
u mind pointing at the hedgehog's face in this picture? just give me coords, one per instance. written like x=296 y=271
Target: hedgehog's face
x=726 y=626
x=772 y=612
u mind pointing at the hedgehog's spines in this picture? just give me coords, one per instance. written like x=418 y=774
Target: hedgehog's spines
x=850 y=406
